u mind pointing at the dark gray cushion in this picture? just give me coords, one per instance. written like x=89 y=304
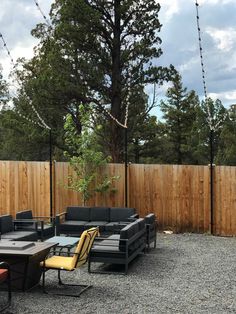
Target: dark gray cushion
x=6 y=224
x=26 y=214
x=21 y=236
x=111 y=227
x=120 y=214
x=141 y=223
x=126 y=233
x=100 y=214
x=78 y=213
x=72 y=226
x=100 y=224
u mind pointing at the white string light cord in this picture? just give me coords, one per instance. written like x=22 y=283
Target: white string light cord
x=209 y=117
x=42 y=13
x=40 y=121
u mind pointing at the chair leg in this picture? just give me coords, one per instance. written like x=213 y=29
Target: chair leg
x=9 y=292
x=84 y=287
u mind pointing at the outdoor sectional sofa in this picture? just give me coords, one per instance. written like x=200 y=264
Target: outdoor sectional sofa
x=76 y=219
x=8 y=230
x=119 y=248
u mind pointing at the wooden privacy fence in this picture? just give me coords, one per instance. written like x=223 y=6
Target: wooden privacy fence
x=179 y=195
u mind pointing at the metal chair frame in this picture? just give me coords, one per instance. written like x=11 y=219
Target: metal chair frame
x=80 y=258
x=4 y=265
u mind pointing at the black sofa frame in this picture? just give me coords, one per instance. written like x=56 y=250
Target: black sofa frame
x=123 y=257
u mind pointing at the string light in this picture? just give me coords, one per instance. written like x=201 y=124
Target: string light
x=41 y=11
x=202 y=66
x=213 y=126
x=42 y=123
x=6 y=48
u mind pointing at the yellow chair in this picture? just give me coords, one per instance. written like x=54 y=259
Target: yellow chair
x=70 y=263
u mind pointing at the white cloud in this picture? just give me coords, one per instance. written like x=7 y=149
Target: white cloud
x=227 y=98
x=213 y=2
x=169 y=8
x=224 y=38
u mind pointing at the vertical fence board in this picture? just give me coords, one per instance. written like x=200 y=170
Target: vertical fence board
x=179 y=195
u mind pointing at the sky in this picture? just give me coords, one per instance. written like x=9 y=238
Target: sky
x=179 y=41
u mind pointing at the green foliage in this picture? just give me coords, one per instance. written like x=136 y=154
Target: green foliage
x=200 y=137
x=4 y=95
x=98 y=52
x=179 y=113
x=87 y=160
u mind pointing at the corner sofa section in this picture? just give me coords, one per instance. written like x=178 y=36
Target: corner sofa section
x=119 y=248
x=76 y=219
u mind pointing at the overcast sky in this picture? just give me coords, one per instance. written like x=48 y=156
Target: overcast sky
x=179 y=40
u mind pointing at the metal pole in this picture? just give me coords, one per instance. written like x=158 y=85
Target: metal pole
x=212 y=180
x=126 y=167
x=50 y=156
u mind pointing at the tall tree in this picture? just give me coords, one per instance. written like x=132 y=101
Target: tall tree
x=226 y=153
x=179 y=113
x=210 y=115
x=97 y=53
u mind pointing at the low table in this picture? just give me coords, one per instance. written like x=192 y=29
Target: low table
x=64 y=242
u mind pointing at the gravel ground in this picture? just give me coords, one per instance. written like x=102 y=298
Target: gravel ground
x=186 y=273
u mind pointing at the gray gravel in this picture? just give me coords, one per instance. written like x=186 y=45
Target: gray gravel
x=186 y=273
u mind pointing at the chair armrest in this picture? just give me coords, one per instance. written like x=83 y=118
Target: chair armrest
x=19 y=222
x=59 y=216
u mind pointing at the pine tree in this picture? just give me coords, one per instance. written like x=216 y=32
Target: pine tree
x=98 y=52
x=179 y=114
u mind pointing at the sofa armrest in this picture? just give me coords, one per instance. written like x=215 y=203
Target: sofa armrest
x=58 y=221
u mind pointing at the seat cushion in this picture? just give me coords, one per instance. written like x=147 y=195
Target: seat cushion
x=100 y=224
x=78 y=213
x=100 y=214
x=120 y=214
x=59 y=262
x=3 y=274
x=72 y=226
x=111 y=226
x=20 y=236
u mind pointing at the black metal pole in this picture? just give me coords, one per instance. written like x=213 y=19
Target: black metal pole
x=126 y=166
x=50 y=156
x=212 y=180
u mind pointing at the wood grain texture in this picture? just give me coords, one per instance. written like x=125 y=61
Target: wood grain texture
x=179 y=195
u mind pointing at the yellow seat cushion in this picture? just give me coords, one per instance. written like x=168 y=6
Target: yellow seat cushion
x=59 y=262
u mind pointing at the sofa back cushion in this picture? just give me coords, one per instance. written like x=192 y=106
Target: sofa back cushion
x=126 y=233
x=78 y=213
x=141 y=223
x=6 y=224
x=25 y=214
x=100 y=214
x=120 y=214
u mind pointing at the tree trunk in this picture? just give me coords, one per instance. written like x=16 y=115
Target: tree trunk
x=116 y=130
